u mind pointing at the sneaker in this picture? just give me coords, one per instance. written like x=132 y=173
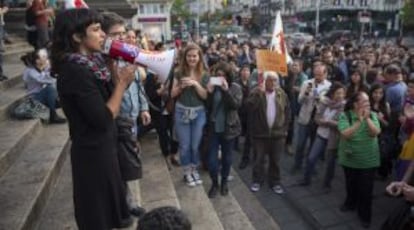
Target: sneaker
x=189 y=180
x=278 y=189
x=255 y=187
x=230 y=178
x=196 y=177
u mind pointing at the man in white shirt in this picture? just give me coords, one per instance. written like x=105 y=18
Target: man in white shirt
x=269 y=113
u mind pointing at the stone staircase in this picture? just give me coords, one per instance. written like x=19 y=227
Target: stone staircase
x=240 y=210
x=31 y=153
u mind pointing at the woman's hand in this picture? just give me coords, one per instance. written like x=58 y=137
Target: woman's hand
x=188 y=82
x=395 y=188
x=124 y=75
x=210 y=88
x=224 y=85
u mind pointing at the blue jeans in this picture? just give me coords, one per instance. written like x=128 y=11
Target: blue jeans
x=318 y=148
x=47 y=96
x=189 y=133
x=303 y=132
x=330 y=167
x=215 y=141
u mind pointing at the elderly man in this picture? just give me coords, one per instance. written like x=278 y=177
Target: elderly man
x=270 y=106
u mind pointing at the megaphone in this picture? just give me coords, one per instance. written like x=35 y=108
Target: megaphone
x=158 y=62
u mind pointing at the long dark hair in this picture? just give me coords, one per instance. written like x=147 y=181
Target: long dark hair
x=382 y=102
x=68 y=23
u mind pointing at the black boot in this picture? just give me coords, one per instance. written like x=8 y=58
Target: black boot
x=214 y=188
x=55 y=118
x=224 y=188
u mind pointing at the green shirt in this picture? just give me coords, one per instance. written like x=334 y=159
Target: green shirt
x=361 y=150
x=189 y=96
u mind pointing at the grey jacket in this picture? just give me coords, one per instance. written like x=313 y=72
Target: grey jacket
x=232 y=99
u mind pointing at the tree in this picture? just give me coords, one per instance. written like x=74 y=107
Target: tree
x=180 y=11
x=408 y=14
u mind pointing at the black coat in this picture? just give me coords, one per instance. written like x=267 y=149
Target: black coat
x=98 y=189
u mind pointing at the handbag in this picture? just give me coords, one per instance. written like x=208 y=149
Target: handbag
x=29 y=108
x=128 y=151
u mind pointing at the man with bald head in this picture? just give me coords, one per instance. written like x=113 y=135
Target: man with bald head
x=269 y=110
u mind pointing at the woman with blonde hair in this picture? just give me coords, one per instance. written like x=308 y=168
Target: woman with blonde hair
x=189 y=90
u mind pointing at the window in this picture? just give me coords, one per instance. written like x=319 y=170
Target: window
x=162 y=10
x=141 y=9
x=155 y=8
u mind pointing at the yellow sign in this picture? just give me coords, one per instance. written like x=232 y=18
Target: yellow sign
x=271 y=61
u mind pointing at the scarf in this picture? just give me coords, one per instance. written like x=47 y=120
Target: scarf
x=94 y=63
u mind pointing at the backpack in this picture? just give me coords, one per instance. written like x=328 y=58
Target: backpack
x=29 y=108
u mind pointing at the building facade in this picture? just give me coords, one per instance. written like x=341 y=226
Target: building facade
x=153 y=18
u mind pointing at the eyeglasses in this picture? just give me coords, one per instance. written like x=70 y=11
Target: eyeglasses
x=117 y=34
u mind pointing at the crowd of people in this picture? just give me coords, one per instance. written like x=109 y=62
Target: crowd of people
x=341 y=103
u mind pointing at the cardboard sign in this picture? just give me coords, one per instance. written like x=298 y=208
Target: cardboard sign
x=271 y=61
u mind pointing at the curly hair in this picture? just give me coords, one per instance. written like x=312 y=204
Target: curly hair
x=164 y=218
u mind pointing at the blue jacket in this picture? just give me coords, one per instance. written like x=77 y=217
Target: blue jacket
x=134 y=101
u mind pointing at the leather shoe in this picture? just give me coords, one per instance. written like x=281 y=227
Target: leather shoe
x=137 y=211
x=57 y=120
x=213 y=191
x=243 y=164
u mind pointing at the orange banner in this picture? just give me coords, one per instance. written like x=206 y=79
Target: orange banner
x=271 y=61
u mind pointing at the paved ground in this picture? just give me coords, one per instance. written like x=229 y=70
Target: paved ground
x=311 y=208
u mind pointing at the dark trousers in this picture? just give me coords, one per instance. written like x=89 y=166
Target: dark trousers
x=164 y=130
x=359 y=188
x=42 y=36
x=271 y=147
x=215 y=141
x=47 y=96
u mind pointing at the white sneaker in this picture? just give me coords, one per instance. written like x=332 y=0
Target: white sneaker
x=196 y=177
x=189 y=180
x=278 y=189
x=230 y=178
x=255 y=187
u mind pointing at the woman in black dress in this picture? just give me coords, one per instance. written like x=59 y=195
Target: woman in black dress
x=91 y=103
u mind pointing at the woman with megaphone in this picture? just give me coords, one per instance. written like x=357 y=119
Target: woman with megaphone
x=189 y=89
x=91 y=104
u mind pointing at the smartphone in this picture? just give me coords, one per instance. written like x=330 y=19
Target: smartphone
x=216 y=81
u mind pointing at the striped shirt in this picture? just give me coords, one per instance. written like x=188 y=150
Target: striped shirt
x=361 y=150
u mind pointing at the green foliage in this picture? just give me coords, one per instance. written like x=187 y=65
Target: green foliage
x=408 y=13
x=179 y=10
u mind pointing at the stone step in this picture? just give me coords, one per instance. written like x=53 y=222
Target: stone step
x=13 y=55
x=25 y=187
x=195 y=203
x=58 y=212
x=8 y=98
x=13 y=70
x=250 y=205
x=228 y=209
x=13 y=138
x=157 y=188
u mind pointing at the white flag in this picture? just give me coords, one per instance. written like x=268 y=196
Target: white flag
x=278 y=43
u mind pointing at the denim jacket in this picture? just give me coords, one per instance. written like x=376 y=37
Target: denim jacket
x=134 y=101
